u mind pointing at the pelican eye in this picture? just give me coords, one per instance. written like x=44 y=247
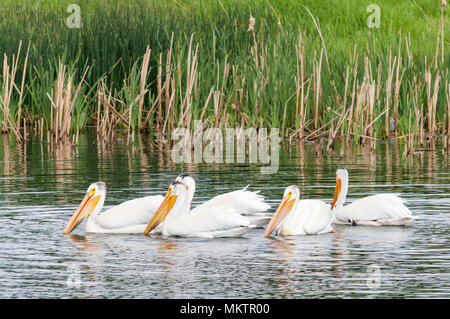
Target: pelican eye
x=92 y=192
x=290 y=194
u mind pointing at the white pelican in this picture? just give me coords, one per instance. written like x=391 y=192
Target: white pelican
x=375 y=210
x=300 y=217
x=129 y=217
x=217 y=217
x=247 y=203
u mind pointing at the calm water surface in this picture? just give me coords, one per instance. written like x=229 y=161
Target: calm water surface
x=41 y=187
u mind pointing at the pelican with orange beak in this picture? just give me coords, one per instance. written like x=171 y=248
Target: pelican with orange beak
x=300 y=217
x=375 y=210
x=129 y=217
x=176 y=218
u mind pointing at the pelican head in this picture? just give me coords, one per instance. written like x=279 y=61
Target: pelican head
x=291 y=194
x=340 y=192
x=189 y=182
x=174 y=198
x=90 y=203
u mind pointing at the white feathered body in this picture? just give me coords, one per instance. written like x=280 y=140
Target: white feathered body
x=128 y=217
x=307 y=217
x=375 y=210
x=227 y=215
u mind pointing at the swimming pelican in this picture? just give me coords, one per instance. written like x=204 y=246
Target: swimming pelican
x=129 y=217
x=215 y=218
x=300 y=217
x=375 y=210
x=247 y=203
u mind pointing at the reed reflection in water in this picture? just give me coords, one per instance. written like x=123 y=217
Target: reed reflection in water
x=41 y=186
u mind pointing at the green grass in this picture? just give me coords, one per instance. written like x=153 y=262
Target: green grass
x=115 y=34
x=121 y=30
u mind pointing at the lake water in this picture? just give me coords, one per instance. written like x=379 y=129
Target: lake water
x=40 y=188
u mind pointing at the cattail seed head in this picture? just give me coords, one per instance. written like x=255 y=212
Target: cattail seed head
x=251 y=26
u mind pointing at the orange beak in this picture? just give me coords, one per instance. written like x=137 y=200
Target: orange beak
x=162 y=212
x=281 y=212
x=337 y=191
x=85 y=208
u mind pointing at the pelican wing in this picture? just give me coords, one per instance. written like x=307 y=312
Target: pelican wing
x=245 y=202
x=131 y=213
x=319 y=219
x=380 y=209
x=311 y=216
x=241 y=201
x=211 y=221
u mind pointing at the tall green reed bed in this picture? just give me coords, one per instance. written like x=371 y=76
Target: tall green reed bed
x=141 y=66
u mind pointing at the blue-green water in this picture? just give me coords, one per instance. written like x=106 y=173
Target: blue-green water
x=41 y=187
